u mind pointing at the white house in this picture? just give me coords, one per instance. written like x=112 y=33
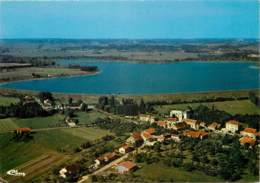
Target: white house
x=232 y=126
x=146 y=118
x=181 y=115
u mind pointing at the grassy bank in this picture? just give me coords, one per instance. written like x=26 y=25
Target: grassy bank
x=91 y=99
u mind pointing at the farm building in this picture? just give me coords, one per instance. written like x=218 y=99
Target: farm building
x=125 y=167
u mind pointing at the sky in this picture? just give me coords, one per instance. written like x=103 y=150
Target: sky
x=132 y=19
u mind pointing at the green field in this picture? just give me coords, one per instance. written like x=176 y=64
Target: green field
x=89 y=117
x=8 y=124
x=14 y=154
x=232 y=107
x=8 y=100
x=86 y=133
x=159 y=172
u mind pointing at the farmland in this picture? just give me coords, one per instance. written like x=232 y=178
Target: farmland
x=155 y=172
x=232 y=107
x=54 y=143
x=9 y=124
x=8 y=100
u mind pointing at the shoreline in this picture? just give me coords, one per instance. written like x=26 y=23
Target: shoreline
x=133 y=95
x=53 y=77
x=149 y=61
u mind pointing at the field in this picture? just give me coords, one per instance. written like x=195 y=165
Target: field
x=232 y=107
x=9 y=124
x=8 y=100
x=58 y=143
x=159 y=172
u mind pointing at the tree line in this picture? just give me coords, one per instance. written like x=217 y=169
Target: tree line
x=127 y=106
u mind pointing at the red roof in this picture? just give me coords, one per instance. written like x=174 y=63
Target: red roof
x=247 y=140
x=125 y=146
x=137 y=136
x=150 y=131
x=172 y=119
x=161 y=123
x=23 y=129
x=250 y=130
x=190 y=121
x=195 y=134
x=127 y=164
x=147 y=135
x=233 y=122
x=107 y=156
x=214 y=125
x=179 y=125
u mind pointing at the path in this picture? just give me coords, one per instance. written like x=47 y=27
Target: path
x=109 y=165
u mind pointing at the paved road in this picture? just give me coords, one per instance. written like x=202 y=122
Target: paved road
x=109 y=165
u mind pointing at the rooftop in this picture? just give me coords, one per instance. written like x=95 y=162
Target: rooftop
x=250 y=130
x=127 y=164
x=247 y=140
x=233 y=122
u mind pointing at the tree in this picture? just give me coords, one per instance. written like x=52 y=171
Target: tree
x=70 y=101
x=142 y=107
x=45 y=95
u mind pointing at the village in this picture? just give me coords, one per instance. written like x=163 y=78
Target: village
x=119 y=162
x=153 y=132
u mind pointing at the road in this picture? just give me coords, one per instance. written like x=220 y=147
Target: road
x=104 y=168
x=109 y=165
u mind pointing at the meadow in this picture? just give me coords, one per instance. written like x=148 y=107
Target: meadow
x=231 y=107
x=58 y=142
x=5 y=101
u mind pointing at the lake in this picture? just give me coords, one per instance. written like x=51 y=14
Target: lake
x=142 y=78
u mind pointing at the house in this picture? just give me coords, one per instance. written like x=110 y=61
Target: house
x=159 y=138
x=125 y=167
x=69 y=170
x=125 y=149
x=250 y=132
x=247 y=140
x=196 y=134
x=232 y=126
x=214 y=126
x=203 y=124
x=146 y=134
x=194 y=124
x=181 y=115
x=175 y=138
x=71 y=122
x=146 y=118
x=105 y=158
x=178 y=126
x=23 y=130
x=47 y=102
x=162 y=124
x=135 y=138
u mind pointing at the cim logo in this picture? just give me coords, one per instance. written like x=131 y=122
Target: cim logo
x=15 y=173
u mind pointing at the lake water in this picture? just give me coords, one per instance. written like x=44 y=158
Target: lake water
x=137 y=78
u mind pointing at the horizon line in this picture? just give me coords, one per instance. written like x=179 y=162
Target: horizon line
x=233 y=38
